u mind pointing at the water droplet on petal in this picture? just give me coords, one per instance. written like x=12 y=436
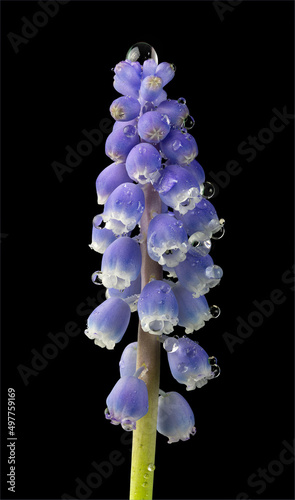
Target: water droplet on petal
x=140 y=52
x=129 y=131
x=181 y=100
x=176 y=145
x=173 y=67
x=208 y=190
x=171 y=344
x=215 y=311
x=165 y=119
x=151 y=467
x=189 y=122
x=182 y=368
x=212 y=360
x=144 y=484
x=215 y=370
x=96 y=278
x=156 y=325
x=146 y=476
x=220 y=233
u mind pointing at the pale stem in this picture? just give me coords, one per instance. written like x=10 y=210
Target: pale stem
x=148 y=352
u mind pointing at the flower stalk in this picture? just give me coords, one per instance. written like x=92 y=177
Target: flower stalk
x=148 y=353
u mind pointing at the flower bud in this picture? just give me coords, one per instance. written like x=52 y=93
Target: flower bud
x=198 y=273
x=127 y=363
x=179 y=147
x=153 y=126
x=176 y=112
x=125 y=108
x=120 y=142
x=143 y=163
x=192 y=312
x=110 y=178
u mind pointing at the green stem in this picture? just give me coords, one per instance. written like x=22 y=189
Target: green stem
x=148 y=352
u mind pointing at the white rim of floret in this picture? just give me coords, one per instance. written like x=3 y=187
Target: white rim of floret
x=167 y=323
x=100 y=339
x=192 y=195
x=112 y=280
x=182 y=437
x=145 y=176
x=132 y=300
x=100 y=248
x=118 y=223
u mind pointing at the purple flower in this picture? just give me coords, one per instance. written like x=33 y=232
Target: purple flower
x=176 y=112
x=127 y=402
x=192 y=312
x=151 y=88
x=127 y=79
x=153 y=126
x=127 y=363
x=202 y=220
x=175 y=417
x=157 y=308
x=167 y=241
x=166 y=72
x=125 y=108
x=191 y=365
x=198 y=273
x=143 y=163
x=178 y=188
x=179 y=147
x=120 y=142
x=121 y=263
x=197 y=170
x=109 y=179
x=124 y=208
x=101 y=237
x=107 y=324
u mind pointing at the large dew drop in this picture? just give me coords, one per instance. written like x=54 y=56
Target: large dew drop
x=140 y=52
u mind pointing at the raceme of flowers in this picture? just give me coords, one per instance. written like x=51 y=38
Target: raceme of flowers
x=150 y=143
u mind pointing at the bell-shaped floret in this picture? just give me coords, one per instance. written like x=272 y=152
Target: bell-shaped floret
x=121 y=125
x=198 y=273
x=175 y=417
x=157 y=308
x=125 y=108
x=110 y=178
x=178 y=188
x=197 y=170
x=153 y=126
x=167 y=241
x=127 y=79
x=191 y=365
x=192 y=312
x=202 y=221
x=101 y=236
x=127 y=363
x=107 y=324
x=127 y=402
x=176 y=111
x=121 y=263
x=151 y=88
x=179 y=147
x=166 y=72
x=124 y=208
x=130 y=294
x=120 y=142
x=143 y=163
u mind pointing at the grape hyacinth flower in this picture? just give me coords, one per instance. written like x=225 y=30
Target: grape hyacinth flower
x=167 y=241
x=106 y=328
x=191 y=365
x=156 y=223
x=127 y=402
x=175 y=418
x=157 y=308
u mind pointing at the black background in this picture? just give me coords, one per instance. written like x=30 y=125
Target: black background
x=233 y=73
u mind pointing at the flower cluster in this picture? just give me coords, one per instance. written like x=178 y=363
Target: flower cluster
x=150 y=145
